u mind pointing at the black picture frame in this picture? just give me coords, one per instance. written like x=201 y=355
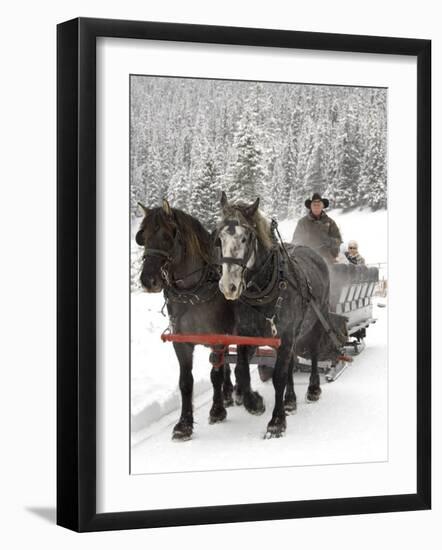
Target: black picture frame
x=76 y=274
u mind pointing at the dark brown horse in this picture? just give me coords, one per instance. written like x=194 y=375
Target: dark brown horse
x=272 y=293
x=177 y=261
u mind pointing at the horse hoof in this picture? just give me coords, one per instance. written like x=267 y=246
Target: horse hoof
x=273 y=435
x=182 y=432
x=228 y=396
x=290 y=407
x=275 y=428
x=239 y=399
x=181 y=436
x=228 y=401
x=313 y=395
x=217 y=414
x=254 y=403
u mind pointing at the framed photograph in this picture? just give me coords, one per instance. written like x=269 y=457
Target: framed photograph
x=243 y=274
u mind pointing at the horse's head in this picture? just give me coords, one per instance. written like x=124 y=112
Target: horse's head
x=160 y=236
x=238 y=239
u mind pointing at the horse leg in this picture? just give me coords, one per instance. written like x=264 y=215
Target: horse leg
x=218 y=412
x=183 y=429
x=314 y=389
x=227 y=386
x=277 y=425
x=290 y=396
x=252 y=400
x=239 y=376
x=237 y=390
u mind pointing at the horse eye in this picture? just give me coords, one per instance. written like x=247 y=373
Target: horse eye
x=243 y=240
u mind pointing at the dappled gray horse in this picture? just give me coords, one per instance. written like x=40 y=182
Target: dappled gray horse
x=272 y=295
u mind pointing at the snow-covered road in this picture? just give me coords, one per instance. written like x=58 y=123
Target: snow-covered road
x=348 y=424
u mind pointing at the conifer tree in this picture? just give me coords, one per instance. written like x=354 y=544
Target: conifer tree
x=206 y=193
x=314 y=175
x=288 y=177
x=277 y=141
x=179 y=189
x=346 y=191
x=155 y=187
x=247 y=171
x=373 y=178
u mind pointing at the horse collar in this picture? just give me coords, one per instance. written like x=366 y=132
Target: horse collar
x=272 y=288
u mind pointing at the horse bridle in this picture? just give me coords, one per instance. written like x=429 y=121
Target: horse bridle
x=242 y=262
x=169 y=255
x=230 y=224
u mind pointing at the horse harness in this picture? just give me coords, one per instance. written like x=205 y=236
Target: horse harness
x=278 y=282
x=204 y=290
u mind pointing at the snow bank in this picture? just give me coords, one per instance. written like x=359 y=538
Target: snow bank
x=154 y=366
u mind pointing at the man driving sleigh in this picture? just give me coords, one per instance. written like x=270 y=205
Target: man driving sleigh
x=317 y=230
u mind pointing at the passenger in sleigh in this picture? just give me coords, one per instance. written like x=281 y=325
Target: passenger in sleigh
x=352 y=254
x=317 y=230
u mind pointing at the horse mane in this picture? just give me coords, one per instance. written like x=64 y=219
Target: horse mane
x=263 y=229
x=195 y=236
x=258 y=221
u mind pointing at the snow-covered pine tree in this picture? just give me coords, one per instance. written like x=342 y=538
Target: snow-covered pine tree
x=332 y=153
x=291 y=201
x=373 y=180
x=247 y=172
x=264 y=136
x=137 y=190
x=373 y=184
x=179 y=190
x=288 y=177
x=155 y=186
x=302 y=190
x=204 y=202
x=314 y=175
x=270 y=140
x=272 y=192
x=346 y=190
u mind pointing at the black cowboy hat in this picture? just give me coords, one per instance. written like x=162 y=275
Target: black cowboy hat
x=316 y=197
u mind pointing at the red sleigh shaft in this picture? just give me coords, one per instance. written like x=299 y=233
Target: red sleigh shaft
x=221 y=340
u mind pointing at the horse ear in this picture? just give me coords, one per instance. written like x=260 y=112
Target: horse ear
x=166 y=207
x=249 y=211
x=144 y=208
x=223 y=199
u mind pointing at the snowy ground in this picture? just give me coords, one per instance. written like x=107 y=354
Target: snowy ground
x=348 y=424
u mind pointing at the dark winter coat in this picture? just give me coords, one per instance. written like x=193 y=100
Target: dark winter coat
x=356 y=259
x=321 y=234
